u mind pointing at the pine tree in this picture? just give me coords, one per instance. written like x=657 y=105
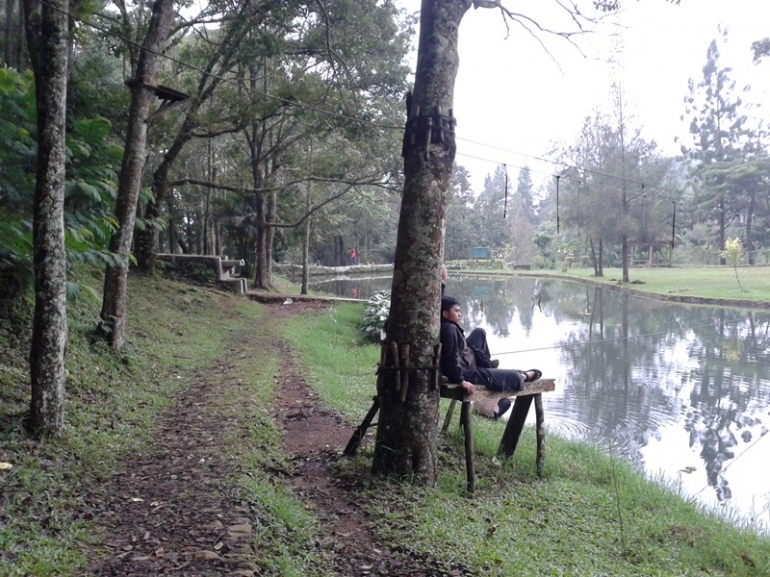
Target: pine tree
x=717 y=127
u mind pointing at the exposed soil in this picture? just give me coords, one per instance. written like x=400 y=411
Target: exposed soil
x=169 y=512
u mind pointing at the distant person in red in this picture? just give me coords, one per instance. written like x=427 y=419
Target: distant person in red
x=353 y=256
x=355 y=292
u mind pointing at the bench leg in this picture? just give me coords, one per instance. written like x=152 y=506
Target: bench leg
x=448 y=418
x=515 y=425
x=465 y=419
x=540 y=431
x=358 y=435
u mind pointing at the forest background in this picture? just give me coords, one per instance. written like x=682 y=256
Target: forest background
x=292 y=127
x=271 y=132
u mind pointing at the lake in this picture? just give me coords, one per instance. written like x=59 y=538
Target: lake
x=681 y=391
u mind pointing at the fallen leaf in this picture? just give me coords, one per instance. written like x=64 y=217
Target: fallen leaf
x=5 y=466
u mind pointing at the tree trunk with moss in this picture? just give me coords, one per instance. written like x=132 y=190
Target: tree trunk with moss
x=47 y=36
x=407 y=385
x=115 y=302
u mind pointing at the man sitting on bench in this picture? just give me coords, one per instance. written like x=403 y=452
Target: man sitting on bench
x=466 y=361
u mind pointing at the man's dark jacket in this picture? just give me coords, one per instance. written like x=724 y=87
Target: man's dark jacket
x=457 y=357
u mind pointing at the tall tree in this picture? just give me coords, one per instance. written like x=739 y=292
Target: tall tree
x=616 y=171
x=460 y=233
x=142 y=86
x=220 y=56
x=524 y=193
x=12 y=41
x=717 y=127
x=406 y=433
x=491 y=210
x=47 y=37
x=747 y=182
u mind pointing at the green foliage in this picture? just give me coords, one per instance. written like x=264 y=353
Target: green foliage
x=17 y=165
x=375 y=315
x=90 y=187
x=733 y=252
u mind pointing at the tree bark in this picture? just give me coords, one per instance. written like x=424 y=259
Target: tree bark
x=306 y=239
x=407 y=428
x=47 y=36
x=113 y=314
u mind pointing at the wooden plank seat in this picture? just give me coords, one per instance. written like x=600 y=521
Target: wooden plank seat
x=510 y=439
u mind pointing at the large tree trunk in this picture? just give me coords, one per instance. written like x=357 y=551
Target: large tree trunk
x=260 y=277
x=272 y=216
x=148 y=240
x=749 y=234
x=113 y=314
x=409 y=398
x=47 y=37
x=306 y=239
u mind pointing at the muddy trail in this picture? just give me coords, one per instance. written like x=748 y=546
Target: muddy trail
x=169 y=510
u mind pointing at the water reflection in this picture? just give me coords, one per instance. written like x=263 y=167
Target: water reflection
x=682 y=391
x=352 y=286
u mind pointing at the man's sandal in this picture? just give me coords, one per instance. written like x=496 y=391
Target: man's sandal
x=527 y=379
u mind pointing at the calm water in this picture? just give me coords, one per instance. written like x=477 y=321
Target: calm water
x=682 y=391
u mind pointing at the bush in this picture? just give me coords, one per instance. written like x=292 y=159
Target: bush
x=375 y=314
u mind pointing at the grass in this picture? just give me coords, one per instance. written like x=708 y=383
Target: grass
x=516 y=524
x=113 y=404
x=572 y=523
x=716 y=283
x=343 y=366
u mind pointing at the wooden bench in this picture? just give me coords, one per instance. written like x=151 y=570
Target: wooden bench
x=511 y=434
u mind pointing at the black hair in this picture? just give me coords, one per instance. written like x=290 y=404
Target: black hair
x=447 y=303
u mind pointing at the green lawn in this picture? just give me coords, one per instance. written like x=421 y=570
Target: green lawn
x=744 y=284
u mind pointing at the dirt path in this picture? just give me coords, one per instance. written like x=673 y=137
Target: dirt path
x=170 y=511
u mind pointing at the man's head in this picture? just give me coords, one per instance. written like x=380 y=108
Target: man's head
x=450 y=309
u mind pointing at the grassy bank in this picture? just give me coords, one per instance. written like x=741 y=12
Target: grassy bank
x=177 y=332
x=712 y=284
x=591 y=515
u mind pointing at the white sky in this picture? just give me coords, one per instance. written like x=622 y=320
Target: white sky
x=512 y=95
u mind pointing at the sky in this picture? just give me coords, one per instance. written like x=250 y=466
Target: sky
x=520 y=100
